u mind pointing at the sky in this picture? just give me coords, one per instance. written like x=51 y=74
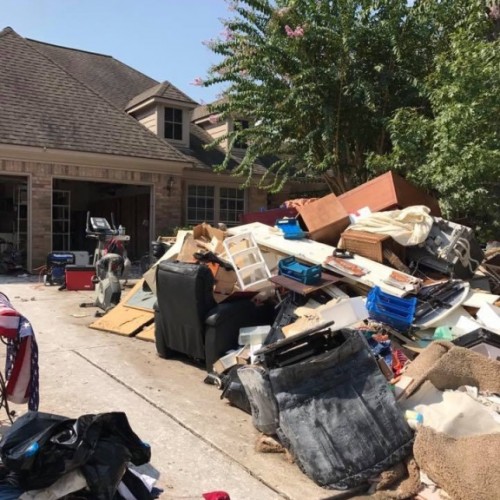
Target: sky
x=161 y=38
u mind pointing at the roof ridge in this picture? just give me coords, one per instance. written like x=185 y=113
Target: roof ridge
x=170 y=84
x=7 y=30
x=68 y=48
x=100 y=96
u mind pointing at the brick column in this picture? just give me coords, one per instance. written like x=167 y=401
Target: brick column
x=168 y=204
x=256 y=199
x=41 y=214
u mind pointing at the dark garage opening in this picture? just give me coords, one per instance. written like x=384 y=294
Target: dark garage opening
x=130 y=205
x=14 y=222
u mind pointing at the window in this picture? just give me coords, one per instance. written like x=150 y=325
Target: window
x=173 y=124
x=231 y=205
x=240 y=125
x=200 y=204
x=213 y=204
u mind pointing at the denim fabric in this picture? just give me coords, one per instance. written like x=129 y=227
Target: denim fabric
x=9 y=492
x=338 y=416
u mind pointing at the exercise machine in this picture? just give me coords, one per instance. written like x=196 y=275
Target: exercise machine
x=110 y=261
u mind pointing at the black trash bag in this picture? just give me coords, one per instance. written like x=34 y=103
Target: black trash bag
x=265 y=415
x=135 y=485
x=233 y=390
x=42 y=447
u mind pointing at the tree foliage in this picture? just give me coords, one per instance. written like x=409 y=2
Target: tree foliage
x=344 y=89
x=455 y=150
x=319 y=79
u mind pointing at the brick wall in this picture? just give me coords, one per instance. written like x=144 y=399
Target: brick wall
x=167 y=207
x=256 y=199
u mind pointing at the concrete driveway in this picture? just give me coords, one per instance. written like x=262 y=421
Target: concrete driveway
x=199 y=442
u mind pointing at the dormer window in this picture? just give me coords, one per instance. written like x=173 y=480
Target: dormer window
x=173 y=124
x=240 y=125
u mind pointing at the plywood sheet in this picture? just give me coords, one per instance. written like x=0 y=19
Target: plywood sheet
x=124 y=320
x=147 y=333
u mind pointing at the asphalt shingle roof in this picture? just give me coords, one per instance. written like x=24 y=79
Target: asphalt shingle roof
x=114 y=80
x=206 y=158
x=43 y=105
x=203 y=111
x=164 y=90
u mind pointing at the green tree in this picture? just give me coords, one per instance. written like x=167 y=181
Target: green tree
x=454 y=149
x=319 y=79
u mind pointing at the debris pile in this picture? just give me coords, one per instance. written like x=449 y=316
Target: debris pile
x=362 y=333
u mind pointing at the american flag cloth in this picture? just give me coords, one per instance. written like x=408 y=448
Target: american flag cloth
x=21 y=366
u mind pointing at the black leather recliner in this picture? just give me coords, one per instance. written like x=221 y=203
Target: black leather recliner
x=189 y=321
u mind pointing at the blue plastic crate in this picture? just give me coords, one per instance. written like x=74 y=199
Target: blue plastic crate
x=393 y=311
x=308 y=275
x=291 y=229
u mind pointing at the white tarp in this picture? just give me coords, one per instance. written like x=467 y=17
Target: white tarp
x=408 y=227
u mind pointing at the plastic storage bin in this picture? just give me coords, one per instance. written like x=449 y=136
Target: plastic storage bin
x=291 y=229
x=253 y=335
x=393 y=311
x=308 y=275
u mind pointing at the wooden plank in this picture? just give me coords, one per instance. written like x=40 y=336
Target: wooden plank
x=147 y=333
x=316 y=253
x=124 y=320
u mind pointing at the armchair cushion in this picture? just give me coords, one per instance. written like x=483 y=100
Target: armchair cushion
x=189 y=321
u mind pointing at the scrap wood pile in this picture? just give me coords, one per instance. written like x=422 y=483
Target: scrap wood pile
x=379 y=364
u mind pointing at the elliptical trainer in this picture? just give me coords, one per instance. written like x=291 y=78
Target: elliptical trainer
x=110 y=261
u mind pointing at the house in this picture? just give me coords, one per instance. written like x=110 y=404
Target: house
x=81 y=131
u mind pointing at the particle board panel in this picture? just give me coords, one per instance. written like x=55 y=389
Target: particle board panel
x=125 y=320
x=147 y=333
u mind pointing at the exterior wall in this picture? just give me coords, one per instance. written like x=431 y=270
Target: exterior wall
x=216 y=130
x=149 y=119
x=166 y=208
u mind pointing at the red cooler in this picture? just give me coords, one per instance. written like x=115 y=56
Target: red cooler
x=80 y=277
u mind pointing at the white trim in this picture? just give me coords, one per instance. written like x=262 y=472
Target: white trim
x=84 y=159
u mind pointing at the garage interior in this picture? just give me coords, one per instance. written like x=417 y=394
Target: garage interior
x=13 y=222
x=71 y=199
x=130 y=204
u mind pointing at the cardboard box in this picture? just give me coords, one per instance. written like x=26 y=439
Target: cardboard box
x=325 y=219
x=227 y=361
x=209 y=237
x=225 y=284
x=388 y=191
x=188 y=249
x=203 y=237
